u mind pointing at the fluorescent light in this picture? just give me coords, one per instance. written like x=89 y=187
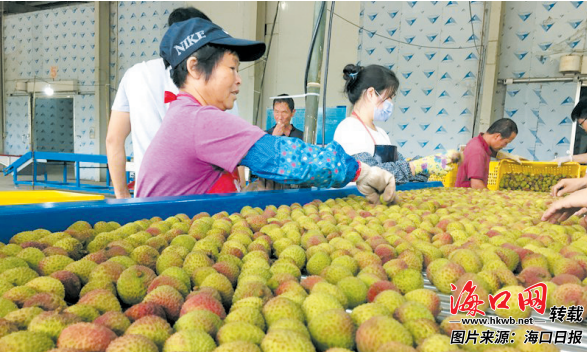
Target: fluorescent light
x=48 y=90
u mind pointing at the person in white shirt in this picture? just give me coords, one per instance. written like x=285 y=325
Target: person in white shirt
x=371 y=90
x=139 y=108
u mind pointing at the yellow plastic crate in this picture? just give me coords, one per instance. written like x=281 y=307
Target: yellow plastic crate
x=448 y=180
x=570 y=170
x=492 y=183
x=583 y=168
x=32 y=197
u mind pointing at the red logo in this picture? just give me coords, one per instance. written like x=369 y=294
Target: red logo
x=533 y=297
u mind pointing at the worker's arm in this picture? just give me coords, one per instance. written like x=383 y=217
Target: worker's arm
x=400 y=168
x=477 y=184
x=292 y=161
x=438 y=164
x=118 y=130
x=580 y=158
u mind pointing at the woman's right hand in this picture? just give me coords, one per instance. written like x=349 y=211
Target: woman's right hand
x=374 y=182
x=568 y=185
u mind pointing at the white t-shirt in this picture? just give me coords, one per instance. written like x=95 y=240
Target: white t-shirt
x=354 y=138
x=141 y=93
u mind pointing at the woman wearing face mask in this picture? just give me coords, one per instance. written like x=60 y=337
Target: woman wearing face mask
x=371 y=89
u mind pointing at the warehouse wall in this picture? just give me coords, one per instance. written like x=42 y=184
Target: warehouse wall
x=534 y=37
x=33 y=43
x=417 y=40
x=434 y=109
x=36 y=41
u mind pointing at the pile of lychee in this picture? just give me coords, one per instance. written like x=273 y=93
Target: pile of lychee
x=339 y=275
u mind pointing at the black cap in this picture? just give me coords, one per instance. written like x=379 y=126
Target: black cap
x=183 y=38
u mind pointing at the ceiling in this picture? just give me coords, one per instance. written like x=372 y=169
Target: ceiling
x=13 y=7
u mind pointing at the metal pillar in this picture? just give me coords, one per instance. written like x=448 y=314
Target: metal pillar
x=102 y=62
x=314 y=74
x=496 y=10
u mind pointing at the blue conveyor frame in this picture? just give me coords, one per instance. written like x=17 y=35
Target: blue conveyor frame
x=58 y=216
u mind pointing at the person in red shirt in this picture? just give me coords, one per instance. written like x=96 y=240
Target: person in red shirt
x=474 y=170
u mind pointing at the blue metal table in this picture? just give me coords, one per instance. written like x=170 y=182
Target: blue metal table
x=64 y=158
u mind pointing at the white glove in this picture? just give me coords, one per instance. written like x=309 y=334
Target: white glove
x=374 y=181
x=563 y=159
x=503 y=155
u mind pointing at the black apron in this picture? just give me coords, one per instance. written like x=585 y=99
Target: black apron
x=383 y=153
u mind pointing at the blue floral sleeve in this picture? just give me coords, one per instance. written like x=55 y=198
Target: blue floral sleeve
x=292 y=161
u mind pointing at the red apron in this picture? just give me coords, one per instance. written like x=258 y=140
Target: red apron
x=227 y=183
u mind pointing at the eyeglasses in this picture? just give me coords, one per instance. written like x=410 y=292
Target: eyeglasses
x=581 y=122
x=391 y=97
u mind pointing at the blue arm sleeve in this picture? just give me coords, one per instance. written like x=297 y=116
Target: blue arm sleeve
x=400 y=168
x=292 y=161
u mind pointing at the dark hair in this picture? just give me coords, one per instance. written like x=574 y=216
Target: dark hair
x=207 y=58
x=580 y=110
x=185 y=13
x=288 y=101
x=505 y=127
x=359 y=78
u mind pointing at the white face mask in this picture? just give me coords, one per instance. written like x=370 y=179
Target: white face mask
x=385 y=113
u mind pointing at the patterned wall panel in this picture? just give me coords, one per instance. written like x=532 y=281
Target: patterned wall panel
x=140 y=27
x=62 y=37
x=542 y=113
x=536 y=34
x=53 y=125
x=534 y=37
x=417 y=40
x=17 y=141
x=85 y=127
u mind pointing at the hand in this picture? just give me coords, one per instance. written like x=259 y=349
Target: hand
x=437 y=164
x=564 y=208
x=257 y=186
x=563 y=159
x=279 y=129
x=374 y=182
x=503 y=155
x=262 y=184
x=568 y=185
